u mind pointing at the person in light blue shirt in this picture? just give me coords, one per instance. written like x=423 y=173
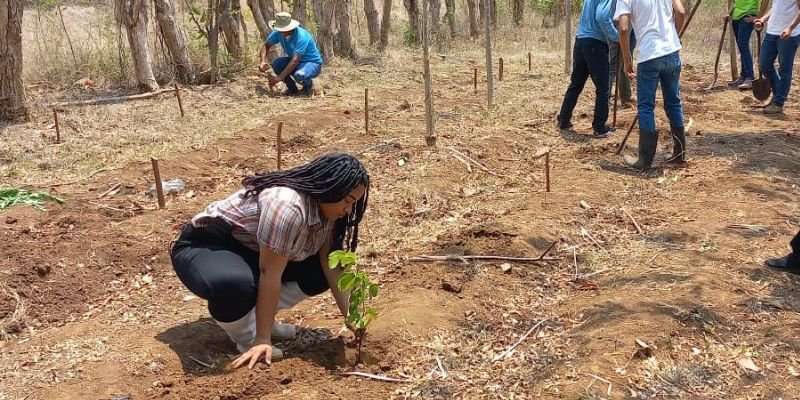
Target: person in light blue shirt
x=303 y=62
x=590 y=60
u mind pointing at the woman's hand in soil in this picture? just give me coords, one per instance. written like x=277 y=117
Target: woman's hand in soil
x=256 y=352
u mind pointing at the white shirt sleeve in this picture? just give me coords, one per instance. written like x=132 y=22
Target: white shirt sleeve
x=623 y=7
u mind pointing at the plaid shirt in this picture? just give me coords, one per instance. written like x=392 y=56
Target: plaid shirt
x=279 y=219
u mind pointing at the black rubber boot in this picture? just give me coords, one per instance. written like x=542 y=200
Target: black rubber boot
x=678 y=146
x=647 y=151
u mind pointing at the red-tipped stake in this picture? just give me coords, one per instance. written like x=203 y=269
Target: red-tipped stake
x=178 y=95
x=280 y=129
x=58 y=128
x=159 y=188
x=547 y=171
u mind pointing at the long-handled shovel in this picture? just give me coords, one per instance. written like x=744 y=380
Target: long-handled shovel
x=636 y=118
x=719 y=53
x=616 y=89
x=761 y=86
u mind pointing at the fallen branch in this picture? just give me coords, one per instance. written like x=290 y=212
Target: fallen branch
x=586 y=233
x=635 y=224
x=441 y=368
x=106 y=207
x=456 y=257
x=457 y=157
x=107 y=192
x=110 y=100
x=521 y=339
x=376 y=377
x=479 y=165
x=207 y=365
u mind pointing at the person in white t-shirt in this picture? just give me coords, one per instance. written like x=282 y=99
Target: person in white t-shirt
x=781 y=42
x=656 y=23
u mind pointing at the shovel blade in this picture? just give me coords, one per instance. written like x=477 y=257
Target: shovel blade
x=761 y=89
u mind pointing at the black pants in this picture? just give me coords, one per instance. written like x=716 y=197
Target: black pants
x=215 y=266
x=590 y=59
x=794 y=258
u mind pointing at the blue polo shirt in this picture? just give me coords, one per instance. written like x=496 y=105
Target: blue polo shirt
x=596 y=21
x=299 y=42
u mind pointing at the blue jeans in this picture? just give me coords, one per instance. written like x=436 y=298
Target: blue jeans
x=743 y=31
x=303 y=74
x=590 y=59
x=784 y=50
x=667 y=71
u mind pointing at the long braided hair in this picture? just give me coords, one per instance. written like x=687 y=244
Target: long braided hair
x=327 y=179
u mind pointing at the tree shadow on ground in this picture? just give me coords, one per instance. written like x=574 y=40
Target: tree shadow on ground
x=204 y=349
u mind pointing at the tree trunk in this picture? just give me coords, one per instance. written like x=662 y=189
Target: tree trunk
x=488 y=42
x=343 y=19
x=450 y=5
x=212 y=29
x=413 y=20
x=323 y=12
x=518 y=11
x=260 y=18
x=430 y=128
x=133 y=15
x=434 y=19
x=299 y=11
x=173 y=36
x=12 y=92
x=386 y=24
x=494 y=14
x=472 y=15
x=230 y=28
x=373 y=26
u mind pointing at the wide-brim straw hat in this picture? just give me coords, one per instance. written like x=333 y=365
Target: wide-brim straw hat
x=283 y=22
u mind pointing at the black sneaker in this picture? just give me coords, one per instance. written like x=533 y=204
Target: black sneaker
x=781 y=263
x=564 y=126
x=603 y=132
x=307 y=91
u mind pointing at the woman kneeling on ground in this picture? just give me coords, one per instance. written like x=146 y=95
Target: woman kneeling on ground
x=265 y=248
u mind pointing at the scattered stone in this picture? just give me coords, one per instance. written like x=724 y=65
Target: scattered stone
x=505 y=267
x=43 y=270
x=449 y=287
x=286 y=380
x=171 y=186
x=11 y=220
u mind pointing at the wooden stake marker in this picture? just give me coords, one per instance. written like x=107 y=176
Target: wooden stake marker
x=159 y=187
x=547 y=171
x=529 y=61
x=475 y=80
x=278 y=144
x=501 y=69
x=366 y=111
x=58 y=128
x=178 y=95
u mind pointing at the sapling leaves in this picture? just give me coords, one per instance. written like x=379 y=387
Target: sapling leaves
x=357 y=282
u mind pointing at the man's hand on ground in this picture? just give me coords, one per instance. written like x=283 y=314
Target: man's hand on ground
x=273 y=80
x=263 y=67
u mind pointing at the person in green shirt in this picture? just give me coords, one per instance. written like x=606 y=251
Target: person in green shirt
x=743 y=14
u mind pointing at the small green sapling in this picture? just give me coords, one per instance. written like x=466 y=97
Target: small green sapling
x=361 y=289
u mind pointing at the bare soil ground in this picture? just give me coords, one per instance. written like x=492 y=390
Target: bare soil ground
x=101 y=314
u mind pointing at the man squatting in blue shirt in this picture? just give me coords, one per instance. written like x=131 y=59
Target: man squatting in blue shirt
x=303 y=63
x=590 y=59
